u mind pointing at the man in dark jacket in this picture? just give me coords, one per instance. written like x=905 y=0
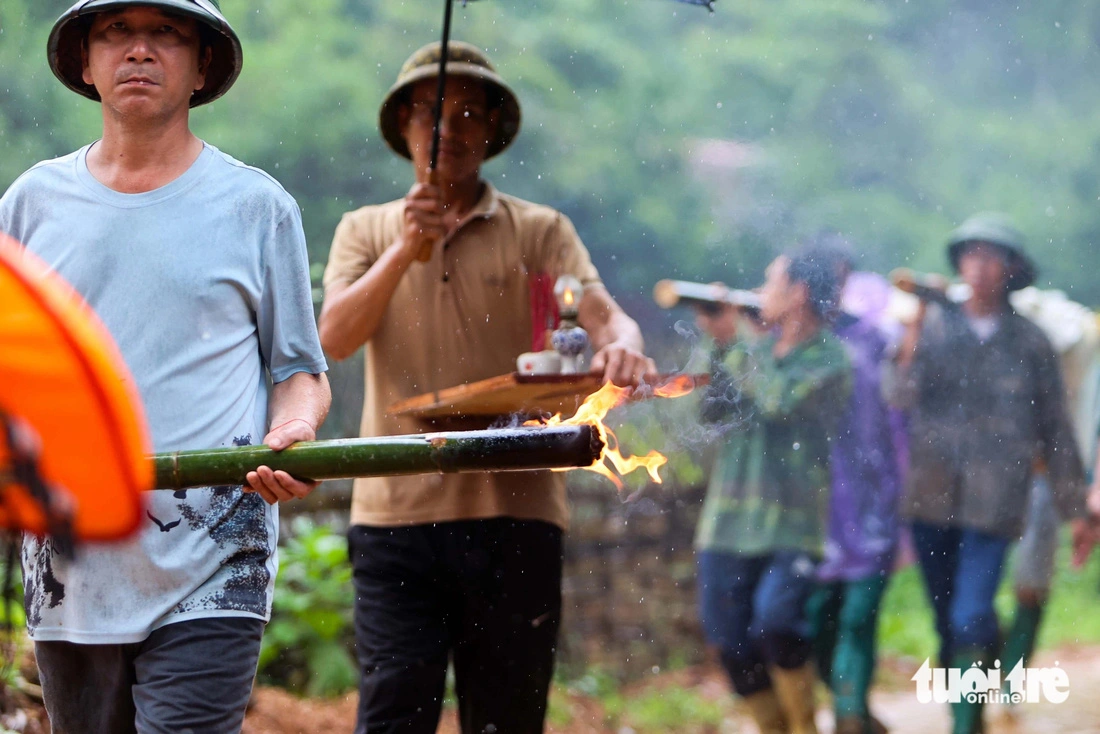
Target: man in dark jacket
x=985 y=396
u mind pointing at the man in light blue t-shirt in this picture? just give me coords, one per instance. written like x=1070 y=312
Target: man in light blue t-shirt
x=197 y=265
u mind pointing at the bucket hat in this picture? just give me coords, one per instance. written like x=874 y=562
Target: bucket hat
x=998 y=230
x=463 y=60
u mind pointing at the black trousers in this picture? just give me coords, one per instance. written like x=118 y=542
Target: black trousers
x=484 y=593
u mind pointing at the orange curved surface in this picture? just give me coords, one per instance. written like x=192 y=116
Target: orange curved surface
x=61 y=374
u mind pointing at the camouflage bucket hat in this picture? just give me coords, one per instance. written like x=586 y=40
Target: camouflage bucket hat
x=70 y=30
x=998 y=230
x=463 y=60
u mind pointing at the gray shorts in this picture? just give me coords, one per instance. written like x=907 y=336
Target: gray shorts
x=193 y=676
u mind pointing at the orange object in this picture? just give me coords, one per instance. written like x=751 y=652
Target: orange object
x=62 y=377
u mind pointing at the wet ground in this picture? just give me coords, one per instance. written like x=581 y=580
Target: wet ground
x=894 y=702
x=1079 y=714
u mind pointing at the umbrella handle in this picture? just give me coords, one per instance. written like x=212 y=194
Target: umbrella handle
x=427 y=244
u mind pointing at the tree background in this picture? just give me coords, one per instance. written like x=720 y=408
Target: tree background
x=682 y=144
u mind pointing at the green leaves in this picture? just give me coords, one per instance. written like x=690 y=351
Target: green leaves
x=307 y=645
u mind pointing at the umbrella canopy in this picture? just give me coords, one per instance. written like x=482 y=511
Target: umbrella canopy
x=62 y=378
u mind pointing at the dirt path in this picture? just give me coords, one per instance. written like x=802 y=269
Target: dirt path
x=1079 y=714
x=895 y=703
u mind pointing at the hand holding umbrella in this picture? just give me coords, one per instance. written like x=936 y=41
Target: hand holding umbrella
x=426 y=245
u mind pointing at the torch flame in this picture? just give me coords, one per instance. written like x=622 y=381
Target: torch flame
x=593 y=411
x=677 y=387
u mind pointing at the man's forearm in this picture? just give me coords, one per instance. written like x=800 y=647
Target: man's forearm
x=619 y=329
x=302 y=396
x=352 y=314
x=606 y=323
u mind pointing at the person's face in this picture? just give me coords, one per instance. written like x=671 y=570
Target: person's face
x=982 y=266
x=465 y=131
x=719 y=322
x=144 y=62
x=779 y=297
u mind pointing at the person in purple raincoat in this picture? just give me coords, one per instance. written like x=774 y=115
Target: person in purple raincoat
x=862 y=532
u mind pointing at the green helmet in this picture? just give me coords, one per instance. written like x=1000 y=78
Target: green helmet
x=998 y=230
x=71 y=29
x=463 y=60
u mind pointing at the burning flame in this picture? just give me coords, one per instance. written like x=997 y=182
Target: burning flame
x=593 y=411
x=567 y=297
x=677 y=387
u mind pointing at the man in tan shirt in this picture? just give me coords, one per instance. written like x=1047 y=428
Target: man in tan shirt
x=461 y=565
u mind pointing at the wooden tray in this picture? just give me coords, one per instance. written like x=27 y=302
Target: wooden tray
x=508 y=394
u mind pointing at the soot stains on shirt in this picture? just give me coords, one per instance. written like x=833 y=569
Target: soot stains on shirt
x=237 y=523
x=41 y=589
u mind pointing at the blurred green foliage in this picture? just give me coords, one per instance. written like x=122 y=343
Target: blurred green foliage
x=308 y=644
x=885 y=119
x=655 y=707
x=682 y=144
x=13 y=639
x=1070 y=615
x=679 y=710
x=888 y=120
x=12 y=615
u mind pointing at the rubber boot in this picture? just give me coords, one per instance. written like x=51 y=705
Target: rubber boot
x=860 y=725
x=967 y=716
x=766 y=712
x=851 y=725
x=1020 y=642
x=795 y=689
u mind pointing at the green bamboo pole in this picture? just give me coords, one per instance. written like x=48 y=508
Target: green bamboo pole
x=505 y=449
